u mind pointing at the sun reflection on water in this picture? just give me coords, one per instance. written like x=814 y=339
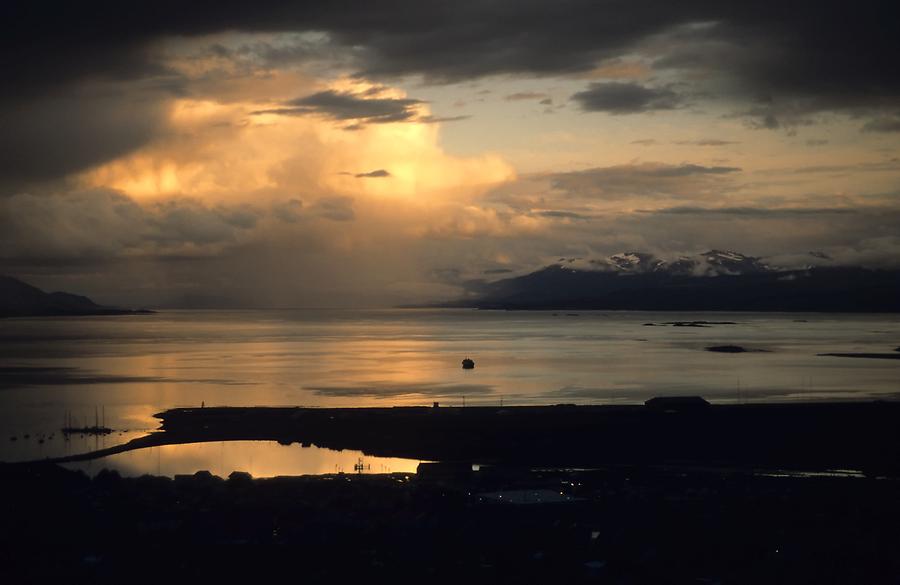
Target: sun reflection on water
x=258 y=458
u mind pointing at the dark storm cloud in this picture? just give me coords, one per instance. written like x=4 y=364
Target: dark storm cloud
x=802 y=47
x=686 y=170
x=53 y=135
x=882 y=125
x=760 y=212
x=888 y=166
x=556 y=214
x=348 y=106
x=440 y=119
x=190 y=221
x=103 y=224
x=625 y=98
x=645 y=170
x=288 y=211
x=780 y=62
x=705 y=142
x=364 y=110
x=373 y=174
x=336 y=208
x=525 y=96
x=646 y=180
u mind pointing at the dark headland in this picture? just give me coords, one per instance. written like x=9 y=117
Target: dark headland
x=19 y=299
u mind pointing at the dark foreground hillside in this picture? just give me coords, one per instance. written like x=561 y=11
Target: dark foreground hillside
x=625 y=525
x=676 y=491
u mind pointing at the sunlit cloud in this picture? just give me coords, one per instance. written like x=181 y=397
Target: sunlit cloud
x=358 y=163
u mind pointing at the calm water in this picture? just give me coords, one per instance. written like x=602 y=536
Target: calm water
x=259 y=458
x=131 y=367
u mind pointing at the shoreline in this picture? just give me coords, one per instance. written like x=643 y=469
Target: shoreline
x=814 y=436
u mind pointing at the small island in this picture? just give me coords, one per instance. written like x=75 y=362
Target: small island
x=733 y=349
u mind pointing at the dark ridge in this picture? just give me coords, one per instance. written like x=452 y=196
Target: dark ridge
x=627 y=525
x=19 y=299
x=677 y=403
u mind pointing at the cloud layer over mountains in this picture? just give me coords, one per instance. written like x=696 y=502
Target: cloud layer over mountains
x=384 y=152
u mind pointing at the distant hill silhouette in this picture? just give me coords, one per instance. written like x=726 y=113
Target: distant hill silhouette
x=19 y=299
x=714 y=281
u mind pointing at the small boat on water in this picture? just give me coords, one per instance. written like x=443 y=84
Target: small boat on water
x=98 y=429
x=468 y=364
x=94 y=430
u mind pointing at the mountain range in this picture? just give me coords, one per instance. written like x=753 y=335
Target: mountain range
x=716 y=280
x=712 y=263
x=19 y=299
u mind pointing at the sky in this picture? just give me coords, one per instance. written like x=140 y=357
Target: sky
x=308 y=154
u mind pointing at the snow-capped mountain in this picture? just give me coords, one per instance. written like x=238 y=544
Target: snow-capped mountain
x=634 y=262
x=711 y=263
x=728 y=262
x=716 y=280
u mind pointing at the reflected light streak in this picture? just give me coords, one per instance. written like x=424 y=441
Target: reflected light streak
x=259 y=458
